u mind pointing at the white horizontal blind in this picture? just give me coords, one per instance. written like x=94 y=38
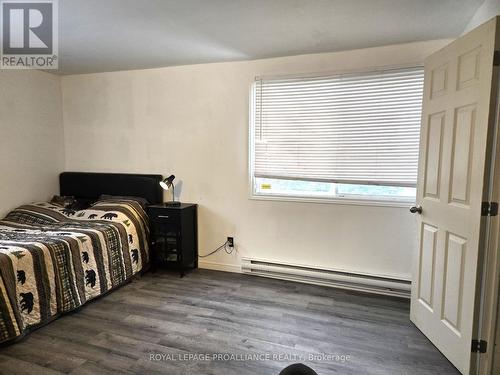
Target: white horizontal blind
x=357 y=128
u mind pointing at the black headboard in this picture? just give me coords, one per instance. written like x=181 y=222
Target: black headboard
x=89 y=186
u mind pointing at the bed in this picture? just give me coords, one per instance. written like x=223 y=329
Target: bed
x=54 y=259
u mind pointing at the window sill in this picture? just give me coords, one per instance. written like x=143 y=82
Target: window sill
x=340 y=201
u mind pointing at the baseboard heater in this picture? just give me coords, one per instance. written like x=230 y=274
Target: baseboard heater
x=327 y=277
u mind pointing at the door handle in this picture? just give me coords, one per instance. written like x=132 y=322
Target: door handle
x=416 y=209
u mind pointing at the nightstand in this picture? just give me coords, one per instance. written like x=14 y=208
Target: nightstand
x=174 y=236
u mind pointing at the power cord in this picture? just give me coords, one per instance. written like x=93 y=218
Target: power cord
x=223 y=246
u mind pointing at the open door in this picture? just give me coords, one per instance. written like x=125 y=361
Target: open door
x=455 y=151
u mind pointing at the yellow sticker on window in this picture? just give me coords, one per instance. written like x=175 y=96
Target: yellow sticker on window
x=265 y=186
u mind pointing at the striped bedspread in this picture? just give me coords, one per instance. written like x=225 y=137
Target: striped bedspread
x=53 y=260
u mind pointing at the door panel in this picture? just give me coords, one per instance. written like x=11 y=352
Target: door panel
x=468 y=68
x=453 y=281
x=463 y=135
x=427 y=265
x=439 y=81
x=434 y=148
x=456 y=121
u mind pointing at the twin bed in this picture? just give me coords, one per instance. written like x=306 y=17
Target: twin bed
x=54 y=259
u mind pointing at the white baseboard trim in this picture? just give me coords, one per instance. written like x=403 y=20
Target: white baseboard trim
x=219 y=266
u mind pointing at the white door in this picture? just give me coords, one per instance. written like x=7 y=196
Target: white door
x=457 y=119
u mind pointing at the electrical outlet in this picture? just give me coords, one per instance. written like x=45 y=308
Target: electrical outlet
x=230 y=241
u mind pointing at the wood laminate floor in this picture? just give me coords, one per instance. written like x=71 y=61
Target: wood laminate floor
x=154 y=324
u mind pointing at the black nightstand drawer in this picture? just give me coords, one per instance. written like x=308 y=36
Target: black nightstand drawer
x=174 y=236
x=163 y=214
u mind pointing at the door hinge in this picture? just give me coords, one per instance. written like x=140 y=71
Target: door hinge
x=489 y=209
x=479 y=346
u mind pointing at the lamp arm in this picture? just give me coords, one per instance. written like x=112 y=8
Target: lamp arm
x=173 y=192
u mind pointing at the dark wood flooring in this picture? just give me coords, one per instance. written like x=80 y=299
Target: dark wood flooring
x=210 y=313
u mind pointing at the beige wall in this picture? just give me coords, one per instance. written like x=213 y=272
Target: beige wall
x=193 y=121
x=31 y=137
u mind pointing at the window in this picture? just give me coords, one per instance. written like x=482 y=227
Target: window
x=349 y=136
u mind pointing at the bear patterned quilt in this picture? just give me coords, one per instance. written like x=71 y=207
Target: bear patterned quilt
x=53 y=260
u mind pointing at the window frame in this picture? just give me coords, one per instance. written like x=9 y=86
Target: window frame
x=348 y=200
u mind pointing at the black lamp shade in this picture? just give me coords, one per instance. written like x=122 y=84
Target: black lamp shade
x=166 y=183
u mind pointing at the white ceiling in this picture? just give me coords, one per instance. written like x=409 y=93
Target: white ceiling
x=108 y=35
